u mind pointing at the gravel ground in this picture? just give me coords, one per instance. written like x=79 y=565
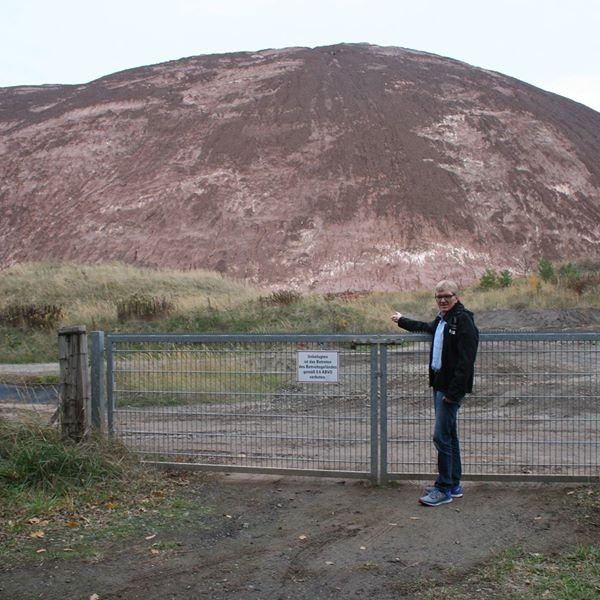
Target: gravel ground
x=29 y=369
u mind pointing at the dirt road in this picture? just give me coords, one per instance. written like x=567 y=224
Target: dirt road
x=277 y=538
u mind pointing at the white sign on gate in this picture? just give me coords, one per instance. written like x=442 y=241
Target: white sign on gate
x=317 y=367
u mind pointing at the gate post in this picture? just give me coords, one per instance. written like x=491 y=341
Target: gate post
x=98 y=381
x=75 y=396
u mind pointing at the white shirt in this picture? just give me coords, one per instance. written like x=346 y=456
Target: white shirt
x=438 y=342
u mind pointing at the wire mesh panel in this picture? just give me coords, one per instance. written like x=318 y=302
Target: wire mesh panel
x=241 y=403
x=23 y=401
x=342 y=405
x=534 y=413
x=407 y=414
x=537 y=407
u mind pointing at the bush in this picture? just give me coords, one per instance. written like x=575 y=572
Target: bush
x=568 y=272
x=505 y=279
x=145 y=308
x=33 y=316
x=546 y=271
x=489 y=280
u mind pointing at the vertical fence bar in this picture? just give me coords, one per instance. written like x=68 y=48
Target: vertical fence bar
x=374 y=411
x=383 y=413
x=110 y=386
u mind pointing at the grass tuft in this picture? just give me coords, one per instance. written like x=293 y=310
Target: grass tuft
x=34 y=458
x=144 y=307
x=34 y=316
x=84 y=497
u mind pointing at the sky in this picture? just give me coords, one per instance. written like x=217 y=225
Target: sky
x=552 y=44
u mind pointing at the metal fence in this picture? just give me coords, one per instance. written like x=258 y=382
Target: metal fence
x=349 y=406
x=21 y=400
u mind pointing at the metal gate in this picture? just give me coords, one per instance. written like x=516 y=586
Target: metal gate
x=349 y=406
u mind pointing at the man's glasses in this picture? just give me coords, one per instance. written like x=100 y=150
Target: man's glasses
x=444 y=297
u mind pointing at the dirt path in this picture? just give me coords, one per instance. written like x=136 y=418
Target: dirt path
x=277 y=538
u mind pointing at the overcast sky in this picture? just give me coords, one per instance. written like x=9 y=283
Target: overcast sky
x=553 y=44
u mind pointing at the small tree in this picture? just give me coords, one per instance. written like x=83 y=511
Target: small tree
x=489 y=280
x=546 y=270
x=505 y=279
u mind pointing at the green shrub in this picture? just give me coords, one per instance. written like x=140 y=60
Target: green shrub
x=568 y=271
x=505 y=279
x=489 y=280
x=546 y=270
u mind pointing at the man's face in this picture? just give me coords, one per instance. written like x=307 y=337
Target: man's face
x=445 y=299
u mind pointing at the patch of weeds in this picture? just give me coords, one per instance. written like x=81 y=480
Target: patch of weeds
x=346 y=296
x=281 y=298
x=86 y=531
x=521 y=575
x=571 y=575
x=27 y=345
x=80 y=501
x=34 y=458
x=143 y=307
x=34 y=316
x=587 y=500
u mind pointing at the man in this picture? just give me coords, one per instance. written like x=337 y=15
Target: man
x=451 y=370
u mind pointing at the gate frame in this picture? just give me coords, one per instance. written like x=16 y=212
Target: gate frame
x=102 y=400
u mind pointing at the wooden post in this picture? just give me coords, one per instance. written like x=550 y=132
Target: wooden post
x=75 y=400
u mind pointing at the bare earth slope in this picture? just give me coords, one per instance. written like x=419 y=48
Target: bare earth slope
x=344 y=167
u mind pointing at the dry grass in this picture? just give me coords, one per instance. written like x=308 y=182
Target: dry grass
x=91 y=293
x=207 y=302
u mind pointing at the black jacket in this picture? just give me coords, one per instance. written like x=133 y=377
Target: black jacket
x=461 y=338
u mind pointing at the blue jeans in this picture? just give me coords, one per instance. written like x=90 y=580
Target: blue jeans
x=445 y=439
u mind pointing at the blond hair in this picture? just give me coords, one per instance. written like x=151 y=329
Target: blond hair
x=447 y=284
